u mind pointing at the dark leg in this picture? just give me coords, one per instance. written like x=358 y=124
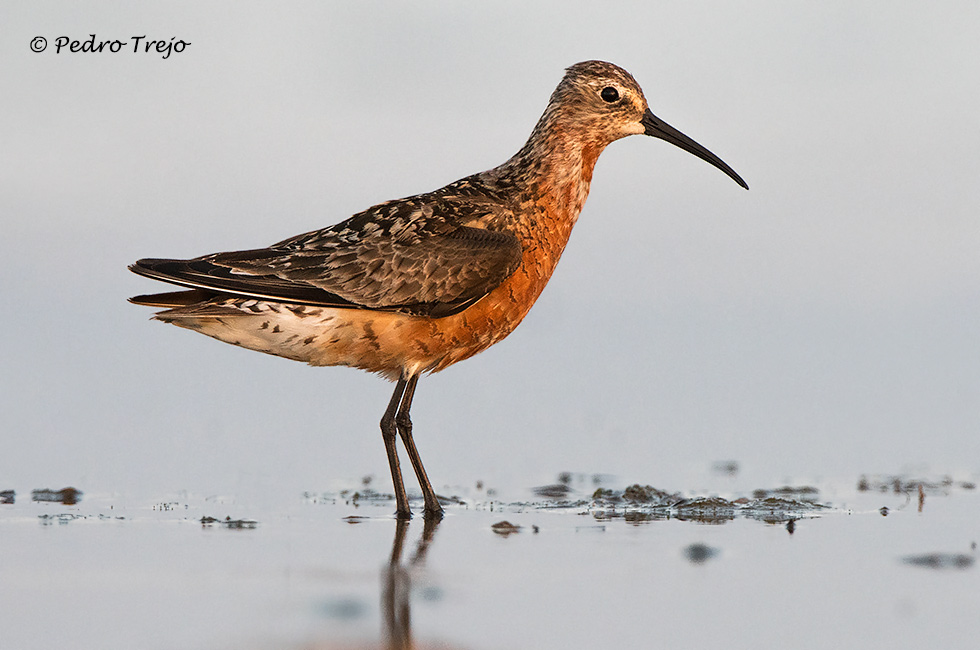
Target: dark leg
x=388 y=432
x=404 y=422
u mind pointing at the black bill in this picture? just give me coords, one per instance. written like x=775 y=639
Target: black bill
x=656 y=127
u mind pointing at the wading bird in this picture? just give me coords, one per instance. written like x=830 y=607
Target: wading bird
x=414 y=285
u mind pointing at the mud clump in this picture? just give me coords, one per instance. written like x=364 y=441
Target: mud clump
x=505 y=528
x=555 y=491
x=605 y=494
x=804 y=493
x=647 y=494
x=228 y=522
x=367 y=494
x=637 y=494
x=68 y=496
x=706 y=510
x=641 y=504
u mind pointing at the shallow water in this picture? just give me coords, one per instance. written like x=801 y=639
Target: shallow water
x=881 y=564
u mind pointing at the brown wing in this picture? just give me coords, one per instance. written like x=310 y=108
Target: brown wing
x=415 y=255
x=435 y=275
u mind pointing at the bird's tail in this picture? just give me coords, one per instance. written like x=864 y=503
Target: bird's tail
x=173 y=299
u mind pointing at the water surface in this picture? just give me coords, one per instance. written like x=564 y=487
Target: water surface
x=880 y=564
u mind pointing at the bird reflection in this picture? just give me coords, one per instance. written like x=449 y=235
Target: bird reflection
x=396 y=607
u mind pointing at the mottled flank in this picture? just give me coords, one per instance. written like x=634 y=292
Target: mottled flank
x=417 y=284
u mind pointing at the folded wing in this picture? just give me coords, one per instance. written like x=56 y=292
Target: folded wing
x=431 y=274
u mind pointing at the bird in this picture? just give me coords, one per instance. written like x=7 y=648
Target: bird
x=414 y=285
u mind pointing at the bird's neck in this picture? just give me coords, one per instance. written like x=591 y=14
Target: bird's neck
x=554 y=167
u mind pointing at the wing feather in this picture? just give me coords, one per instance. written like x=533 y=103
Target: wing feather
x=402 y=255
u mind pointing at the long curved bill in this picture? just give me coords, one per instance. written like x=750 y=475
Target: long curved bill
x=656 y=127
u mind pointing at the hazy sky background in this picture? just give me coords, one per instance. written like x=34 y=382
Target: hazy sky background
x=821 y=325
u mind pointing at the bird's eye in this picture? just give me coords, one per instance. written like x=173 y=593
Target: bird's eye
x=609 y=94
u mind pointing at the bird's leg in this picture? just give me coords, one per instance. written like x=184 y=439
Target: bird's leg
x=388 y=432
x=404 y=421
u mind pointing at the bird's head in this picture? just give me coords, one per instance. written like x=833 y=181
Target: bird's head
x=604 y=103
